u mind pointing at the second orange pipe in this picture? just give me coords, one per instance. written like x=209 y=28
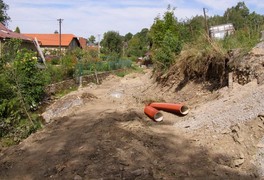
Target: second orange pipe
x=171 y=107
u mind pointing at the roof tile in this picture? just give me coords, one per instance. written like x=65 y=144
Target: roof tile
x=6 y=33
x=53 y=39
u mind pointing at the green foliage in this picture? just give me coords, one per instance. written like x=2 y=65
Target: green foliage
x=22 y=88
x=102 y=66
x=4 y=18
x=84 y=62
x=91 y=39
x=161 y=26
x=121 y=73
x=22 y=84
x=68 y=65
x=170 y=47
x=216 y=20
x=55 y=61
x=17 y=30
x=195 y=27
x=165 y=35
x=241 y=40
x=30 y=79
x=65 y=68
x=23 y=74
x=112 y=43
x=66 y=91
x=139 y=44
x=168 y=36
x=237 y=15
x=10 y=115
x=134 y=47
x=55 y=73
x=247 y=27
x=128 y=36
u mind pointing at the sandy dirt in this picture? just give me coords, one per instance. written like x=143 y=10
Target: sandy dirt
x=101 y=132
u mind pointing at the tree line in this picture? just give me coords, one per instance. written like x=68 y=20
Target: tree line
x=168 y=35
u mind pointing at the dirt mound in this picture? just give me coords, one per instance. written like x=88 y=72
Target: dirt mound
x=251 y=66
x=66 y=105
x=212 y=70
x=203 y=67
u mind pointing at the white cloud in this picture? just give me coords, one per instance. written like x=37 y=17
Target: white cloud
x=92 y=17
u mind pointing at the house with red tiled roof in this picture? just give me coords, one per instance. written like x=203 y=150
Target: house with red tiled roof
x=6 y=34
x=53 y=41
x=83 y=42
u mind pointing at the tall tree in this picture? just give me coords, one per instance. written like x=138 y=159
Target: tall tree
x=195 y=27
x=254 y=21
x=161 y=25
x=134 y=47
x=112 y=42
x=4 y=18
x=91 y=39
x=237 y=15
x=128 y=36
x=17 y=30
x=139 y=44
x=216 y=20
x=165 y=35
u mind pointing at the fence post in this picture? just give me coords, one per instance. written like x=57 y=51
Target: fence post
x=80 y=72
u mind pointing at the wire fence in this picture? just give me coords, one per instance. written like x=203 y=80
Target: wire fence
x=88 y=68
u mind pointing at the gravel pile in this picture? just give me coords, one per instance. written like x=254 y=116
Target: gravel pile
x=240 y=104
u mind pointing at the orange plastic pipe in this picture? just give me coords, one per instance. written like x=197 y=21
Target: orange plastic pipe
x=170 y=107
x=153 y=113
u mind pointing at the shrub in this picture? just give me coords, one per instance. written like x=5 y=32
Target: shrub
x=22 y=88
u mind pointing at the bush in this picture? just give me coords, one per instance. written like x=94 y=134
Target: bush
x=21 y=89
x=241 y=40
x=55 y=73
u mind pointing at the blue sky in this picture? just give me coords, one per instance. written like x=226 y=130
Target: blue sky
x=92 y=17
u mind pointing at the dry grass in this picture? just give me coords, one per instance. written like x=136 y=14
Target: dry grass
x=205 y=60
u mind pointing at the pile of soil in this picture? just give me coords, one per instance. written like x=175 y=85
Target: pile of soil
x=250 y=66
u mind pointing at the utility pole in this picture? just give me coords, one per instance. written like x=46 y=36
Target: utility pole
x=205 y=19
x=60 y=21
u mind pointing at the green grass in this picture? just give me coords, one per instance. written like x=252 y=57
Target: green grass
x=121 y=73
x=65 y=91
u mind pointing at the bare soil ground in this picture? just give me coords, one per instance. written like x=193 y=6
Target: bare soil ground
x=101 y=132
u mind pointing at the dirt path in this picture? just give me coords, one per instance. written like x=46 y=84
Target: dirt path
x=100 y=132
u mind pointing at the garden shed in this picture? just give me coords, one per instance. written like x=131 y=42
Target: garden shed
x=221 y=31
x=6 y=34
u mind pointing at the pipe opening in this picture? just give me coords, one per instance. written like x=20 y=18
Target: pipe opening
x=158 y=117
x=153 y=113
x=184 y=110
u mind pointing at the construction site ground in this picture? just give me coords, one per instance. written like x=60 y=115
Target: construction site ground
x=101 y=132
